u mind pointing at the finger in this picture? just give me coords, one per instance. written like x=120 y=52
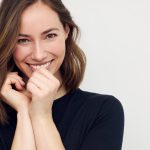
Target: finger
x=32 y=88
x=9 y=82
x=17 y=77
x=17 y=82
x=46 y=73
x=50 y=76
x=20 y=80
x=37 y=82
x=18 y=85
x=13 y=73
x=39 y=76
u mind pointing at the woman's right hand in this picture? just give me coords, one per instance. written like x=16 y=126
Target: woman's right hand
x=18 y=98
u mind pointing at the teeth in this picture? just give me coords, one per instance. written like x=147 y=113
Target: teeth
x=35 y=67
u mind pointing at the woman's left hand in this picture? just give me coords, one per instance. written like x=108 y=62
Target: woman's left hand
x=44 y=86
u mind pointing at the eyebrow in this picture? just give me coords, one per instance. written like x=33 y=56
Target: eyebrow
x=44 y=32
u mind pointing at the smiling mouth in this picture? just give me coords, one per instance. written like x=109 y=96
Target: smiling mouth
x=36 y=67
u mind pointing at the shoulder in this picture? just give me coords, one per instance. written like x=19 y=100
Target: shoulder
x=101 y=104
x=101 y=117
x=102 y=100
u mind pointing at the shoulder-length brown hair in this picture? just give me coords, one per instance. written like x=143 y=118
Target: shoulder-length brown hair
x=73 y=66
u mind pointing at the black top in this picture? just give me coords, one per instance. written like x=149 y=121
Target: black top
x=85 y=121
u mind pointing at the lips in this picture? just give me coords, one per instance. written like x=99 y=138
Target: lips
x=38 y=66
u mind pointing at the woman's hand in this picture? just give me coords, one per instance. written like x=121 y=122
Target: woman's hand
x=17 y=98
x=44 y=87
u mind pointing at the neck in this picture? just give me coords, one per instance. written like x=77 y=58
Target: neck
x=62 y=90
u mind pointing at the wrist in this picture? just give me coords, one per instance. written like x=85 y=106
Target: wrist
x=43 y=115
x=22 y=114
x=37 y=112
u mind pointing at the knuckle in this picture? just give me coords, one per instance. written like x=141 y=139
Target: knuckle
x=40 y=95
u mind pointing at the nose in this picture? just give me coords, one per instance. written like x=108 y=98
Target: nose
x=38 y=53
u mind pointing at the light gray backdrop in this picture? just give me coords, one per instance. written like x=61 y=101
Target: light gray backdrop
x=116 y=39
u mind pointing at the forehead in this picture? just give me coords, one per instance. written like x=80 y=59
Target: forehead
x=39 y=15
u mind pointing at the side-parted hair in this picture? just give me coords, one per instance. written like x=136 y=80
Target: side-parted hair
x=73 y=67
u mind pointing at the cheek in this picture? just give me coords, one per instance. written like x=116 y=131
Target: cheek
x=20 y=53
x=58 y=47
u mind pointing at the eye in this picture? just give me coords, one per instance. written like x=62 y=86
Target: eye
x=23 y=41
x=51 y=36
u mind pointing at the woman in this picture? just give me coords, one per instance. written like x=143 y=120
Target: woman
x=42 y=106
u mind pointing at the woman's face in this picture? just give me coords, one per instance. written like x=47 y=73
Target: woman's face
x=41 y=42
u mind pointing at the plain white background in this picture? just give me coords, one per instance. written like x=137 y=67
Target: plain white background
x=115 y=35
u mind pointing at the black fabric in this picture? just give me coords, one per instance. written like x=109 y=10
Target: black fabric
x=85 y=121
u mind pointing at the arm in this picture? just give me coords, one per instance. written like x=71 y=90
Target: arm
x=44 y=87
x=24 y=137
x=107 y=131
x=19 y=99
x=46 y=134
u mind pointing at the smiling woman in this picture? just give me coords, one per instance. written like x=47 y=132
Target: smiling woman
x=42 y=106
x=38 y=46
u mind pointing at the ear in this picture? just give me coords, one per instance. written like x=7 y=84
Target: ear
x=67 y=30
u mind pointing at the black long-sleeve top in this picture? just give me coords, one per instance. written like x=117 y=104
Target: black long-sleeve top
x=85 y=121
